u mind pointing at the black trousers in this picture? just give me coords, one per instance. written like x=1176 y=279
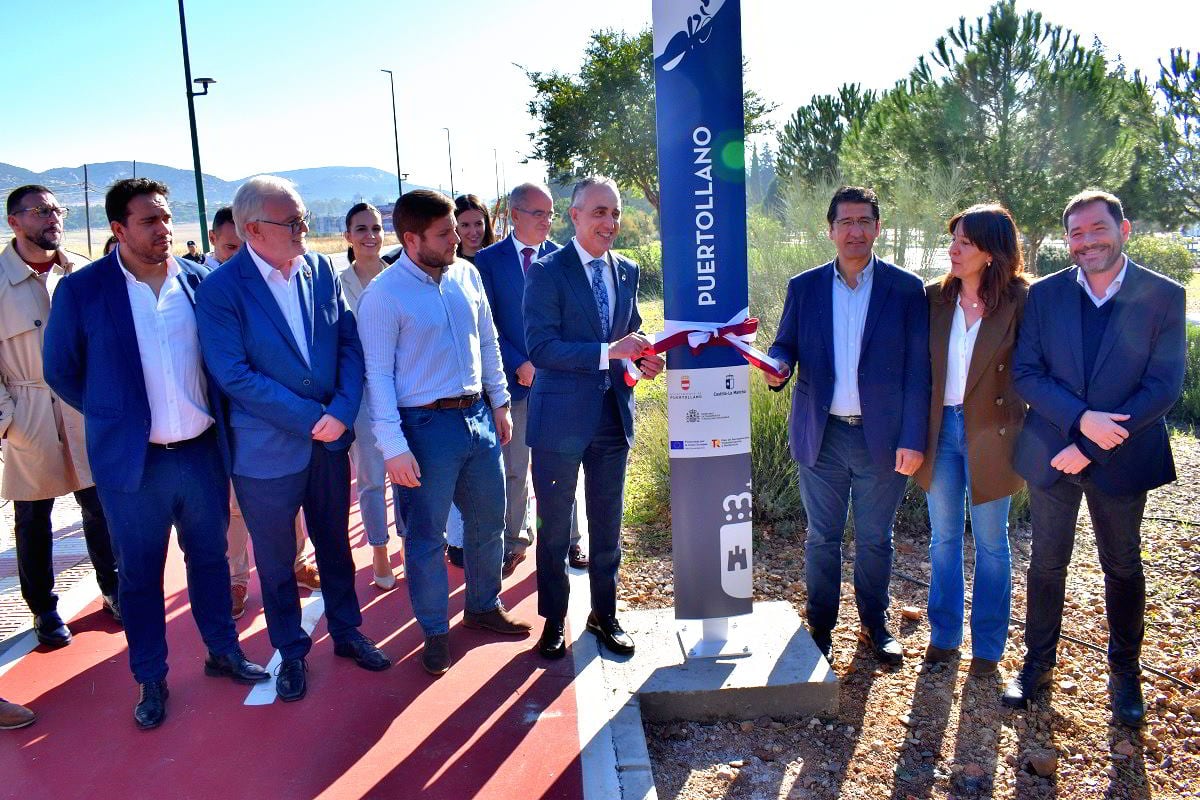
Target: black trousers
x=1117 y=521
x=35 y=548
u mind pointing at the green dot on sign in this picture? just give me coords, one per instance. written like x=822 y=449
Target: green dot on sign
x=733 y=155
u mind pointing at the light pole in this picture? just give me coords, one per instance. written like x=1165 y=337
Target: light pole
x=450 y=156
x=396 y=134
x=191 y=95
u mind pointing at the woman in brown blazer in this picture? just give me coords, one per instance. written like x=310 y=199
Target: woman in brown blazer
x=974 y=419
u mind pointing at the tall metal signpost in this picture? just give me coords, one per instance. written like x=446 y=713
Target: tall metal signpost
x=204 y=83
x=701 y=131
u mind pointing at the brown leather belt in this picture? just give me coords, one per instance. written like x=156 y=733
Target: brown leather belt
x=466 y=401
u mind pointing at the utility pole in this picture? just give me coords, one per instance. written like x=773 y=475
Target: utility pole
x=450 y=156
x=87 y=210
x=396 y=134
x=191 y=95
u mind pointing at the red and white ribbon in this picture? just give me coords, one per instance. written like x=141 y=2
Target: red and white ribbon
x=738 y=333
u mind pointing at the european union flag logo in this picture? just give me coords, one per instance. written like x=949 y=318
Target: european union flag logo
x=676 y=445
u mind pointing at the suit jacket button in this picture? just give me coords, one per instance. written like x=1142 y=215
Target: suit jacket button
x=825 y=408
x=999 y=401
x=37 y=323
x=307 y=382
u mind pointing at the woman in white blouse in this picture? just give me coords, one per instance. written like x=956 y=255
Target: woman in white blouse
x=975 y=416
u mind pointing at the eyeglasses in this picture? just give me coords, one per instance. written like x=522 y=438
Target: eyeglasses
x=45 y=212
x=295 y=226
x=538 y=215
x=846 y=223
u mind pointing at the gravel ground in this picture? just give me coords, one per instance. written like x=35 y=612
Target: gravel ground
x=922 y=731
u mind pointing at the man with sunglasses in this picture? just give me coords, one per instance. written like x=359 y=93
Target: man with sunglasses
x=280 y=342
x=42 y=438
x=503 y=267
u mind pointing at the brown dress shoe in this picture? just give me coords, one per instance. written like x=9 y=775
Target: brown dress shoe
x=497 y=620
x=983 y=667
x=306 y=576
x=13 y=716
x=940 y=655
x=238 y=591
x=577 y=558
x=511 y=560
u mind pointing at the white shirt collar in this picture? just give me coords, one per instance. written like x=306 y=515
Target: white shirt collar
x=521 y=246
x=1113 y=287
x=266 y=269
x=584 y=256
x=172 y=267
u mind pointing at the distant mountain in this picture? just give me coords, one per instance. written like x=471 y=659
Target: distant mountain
x=315 y=184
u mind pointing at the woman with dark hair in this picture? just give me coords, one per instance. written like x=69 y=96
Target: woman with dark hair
x=110 y=245
x=975 y=416
x=474 y=226
x=364 y=233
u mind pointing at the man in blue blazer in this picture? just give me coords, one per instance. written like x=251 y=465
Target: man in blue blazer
x=581 y=324
x=855 y=333
x=503 y=267
x=1100 y=360
x=121 y=347
x=279 y=341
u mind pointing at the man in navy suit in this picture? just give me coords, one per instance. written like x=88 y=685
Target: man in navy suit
x=503 y=267
x=581 y=324
x=121 y=347
x=1100 y=360
x=855 y=333
x=279 y=341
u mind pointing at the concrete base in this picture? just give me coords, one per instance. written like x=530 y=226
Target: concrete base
x=784 y=675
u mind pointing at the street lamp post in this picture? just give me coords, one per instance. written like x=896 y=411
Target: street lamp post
x=396 y=134
x=450 y=155
x=204 y=83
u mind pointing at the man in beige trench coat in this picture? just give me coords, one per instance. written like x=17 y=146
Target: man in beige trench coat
x=42 y=437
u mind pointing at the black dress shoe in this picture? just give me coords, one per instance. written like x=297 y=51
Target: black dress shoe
x=364 y=652
x=112 y=606
x=51 y=630
x=151 y=708
x=824 y=642
x=885 y=647
x=1127 y=704
x=611 y=634
x=455 y=556
x=553 y=644
x=234 y=666
x=1025 y=685
x=290 y=682
x=577 y=558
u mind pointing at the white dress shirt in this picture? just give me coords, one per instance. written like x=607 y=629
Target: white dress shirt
x=958 y=359
x=287 y=296
x=1112 y=289
x=610 y=288
x=170 y=354
x=849 y=320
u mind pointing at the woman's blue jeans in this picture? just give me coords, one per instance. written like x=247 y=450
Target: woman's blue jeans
x=991 y=596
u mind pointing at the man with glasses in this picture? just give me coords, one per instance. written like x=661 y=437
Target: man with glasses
x=503 y=267
x=856 y=334
x=121 y=347
x=279 y=341
x=42 y=438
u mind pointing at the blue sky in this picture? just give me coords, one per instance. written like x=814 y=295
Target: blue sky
x=299 y=82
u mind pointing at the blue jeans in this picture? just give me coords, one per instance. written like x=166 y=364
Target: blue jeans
x=370 y=475
x=843 y=474
x=991 y=591
x=458 y=453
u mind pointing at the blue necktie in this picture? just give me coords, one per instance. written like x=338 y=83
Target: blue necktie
x=601 y=294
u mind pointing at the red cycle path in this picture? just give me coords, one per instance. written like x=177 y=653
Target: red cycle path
x=500 y=724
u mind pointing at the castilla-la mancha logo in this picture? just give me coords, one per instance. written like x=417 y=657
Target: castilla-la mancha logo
x=692 y=29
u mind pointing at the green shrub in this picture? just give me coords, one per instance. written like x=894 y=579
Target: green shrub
x=1188 y=408
x=1167 y=255
x=649 y=258
x=1051 y=258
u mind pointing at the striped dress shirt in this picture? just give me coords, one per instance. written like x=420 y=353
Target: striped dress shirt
x=424 y=340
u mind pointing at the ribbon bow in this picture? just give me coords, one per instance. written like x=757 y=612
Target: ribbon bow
x=737 y=333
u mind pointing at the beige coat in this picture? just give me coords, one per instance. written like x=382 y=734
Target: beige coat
x=42 y=437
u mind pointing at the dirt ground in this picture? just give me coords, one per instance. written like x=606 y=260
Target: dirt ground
x=922 y=731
